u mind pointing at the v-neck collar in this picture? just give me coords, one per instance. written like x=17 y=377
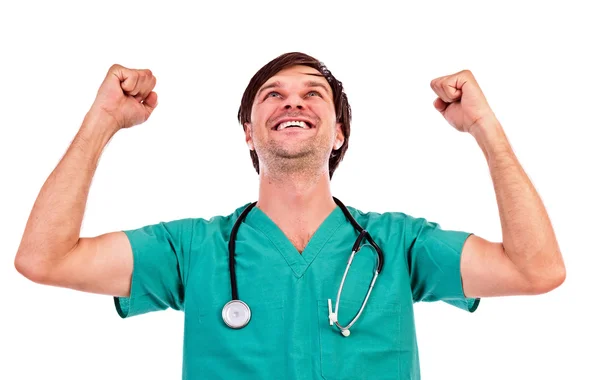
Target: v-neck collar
x=299 y=263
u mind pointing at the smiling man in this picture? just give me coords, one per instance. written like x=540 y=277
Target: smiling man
x=292 y=138
x=295 y=285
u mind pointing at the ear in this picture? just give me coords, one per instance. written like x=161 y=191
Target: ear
x=339 y=137
x=248 y=131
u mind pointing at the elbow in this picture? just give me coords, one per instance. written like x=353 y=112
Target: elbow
x=29 y=269
x=551 y=282
x=21 y=265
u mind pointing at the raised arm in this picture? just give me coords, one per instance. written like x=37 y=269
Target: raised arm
x=528 y=261
x=51 y=251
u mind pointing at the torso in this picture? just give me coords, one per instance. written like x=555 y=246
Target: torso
x=289 y=333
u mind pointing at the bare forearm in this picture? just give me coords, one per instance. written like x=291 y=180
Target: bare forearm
x=54 y=224
x=527 y=234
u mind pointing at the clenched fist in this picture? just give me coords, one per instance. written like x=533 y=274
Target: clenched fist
x=461 y=101
x=126 y=96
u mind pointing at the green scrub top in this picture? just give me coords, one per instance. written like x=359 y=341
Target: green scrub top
x=183 y=264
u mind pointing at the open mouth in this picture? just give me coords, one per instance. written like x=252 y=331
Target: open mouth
x=293 y=124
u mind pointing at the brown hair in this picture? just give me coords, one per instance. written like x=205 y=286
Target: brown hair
x=340 y=100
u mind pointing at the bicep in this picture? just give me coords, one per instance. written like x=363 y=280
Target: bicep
x=101 y=264
x=487 y=271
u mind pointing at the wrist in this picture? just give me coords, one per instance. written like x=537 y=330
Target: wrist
x=485 y=125
x=103 y=119
x=490 y=136
x=96 y=130
x=99 y=123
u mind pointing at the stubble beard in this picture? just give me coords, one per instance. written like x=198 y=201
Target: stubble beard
x=309 y=158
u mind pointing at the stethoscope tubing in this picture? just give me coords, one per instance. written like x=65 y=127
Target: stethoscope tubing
x=363 y=234
x=236 y=226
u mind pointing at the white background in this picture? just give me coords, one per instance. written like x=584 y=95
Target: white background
x=537 y=65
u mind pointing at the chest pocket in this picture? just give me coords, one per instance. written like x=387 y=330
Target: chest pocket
x=254 y=351
x=373 y=349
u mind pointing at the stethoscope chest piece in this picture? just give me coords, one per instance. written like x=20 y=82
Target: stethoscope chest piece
x=236 y=314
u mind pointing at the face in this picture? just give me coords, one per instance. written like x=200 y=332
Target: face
x=301 y=94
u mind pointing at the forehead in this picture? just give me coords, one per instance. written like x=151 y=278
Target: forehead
x=298 y=73
x=298 y=70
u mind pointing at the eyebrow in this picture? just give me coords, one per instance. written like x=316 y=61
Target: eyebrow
x=313 y=83
x=310 y=83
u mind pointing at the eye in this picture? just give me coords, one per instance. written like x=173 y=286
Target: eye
x=271 y=93
x=313 y=92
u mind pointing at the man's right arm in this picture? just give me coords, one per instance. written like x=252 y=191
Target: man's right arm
x=51 y=251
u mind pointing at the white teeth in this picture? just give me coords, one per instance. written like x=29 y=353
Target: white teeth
x=298 y=123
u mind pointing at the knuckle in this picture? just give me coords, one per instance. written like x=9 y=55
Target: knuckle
x=143 y=73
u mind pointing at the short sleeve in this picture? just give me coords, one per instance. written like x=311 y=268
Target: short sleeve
x=159 y=257
x=433 y=260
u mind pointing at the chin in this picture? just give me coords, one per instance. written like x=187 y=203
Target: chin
x=290 y=155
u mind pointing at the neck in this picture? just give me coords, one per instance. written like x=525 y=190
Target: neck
x=302 y=199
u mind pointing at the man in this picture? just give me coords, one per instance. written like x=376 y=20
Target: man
x=260 y=286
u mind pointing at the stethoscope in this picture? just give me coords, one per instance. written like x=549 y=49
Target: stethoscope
x=236 y=313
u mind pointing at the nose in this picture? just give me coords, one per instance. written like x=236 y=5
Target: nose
x=294 y=101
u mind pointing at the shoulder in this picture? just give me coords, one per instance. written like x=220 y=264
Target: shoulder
x=382 y=219
x=217 y=223
x=391 y=223
x=195 y=226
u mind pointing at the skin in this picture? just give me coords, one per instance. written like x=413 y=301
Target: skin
x=294 y=187
x=528 y=261
x=295 y=190
x=51 y=251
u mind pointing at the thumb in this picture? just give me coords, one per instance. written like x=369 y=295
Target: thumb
x=151 y=101
x=440 y=105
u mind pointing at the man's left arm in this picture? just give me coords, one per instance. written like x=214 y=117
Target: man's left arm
x=528 y=261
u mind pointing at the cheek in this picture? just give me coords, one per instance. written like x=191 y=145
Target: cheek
x=325 y=111
x=254 y=115
x=261 y=114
